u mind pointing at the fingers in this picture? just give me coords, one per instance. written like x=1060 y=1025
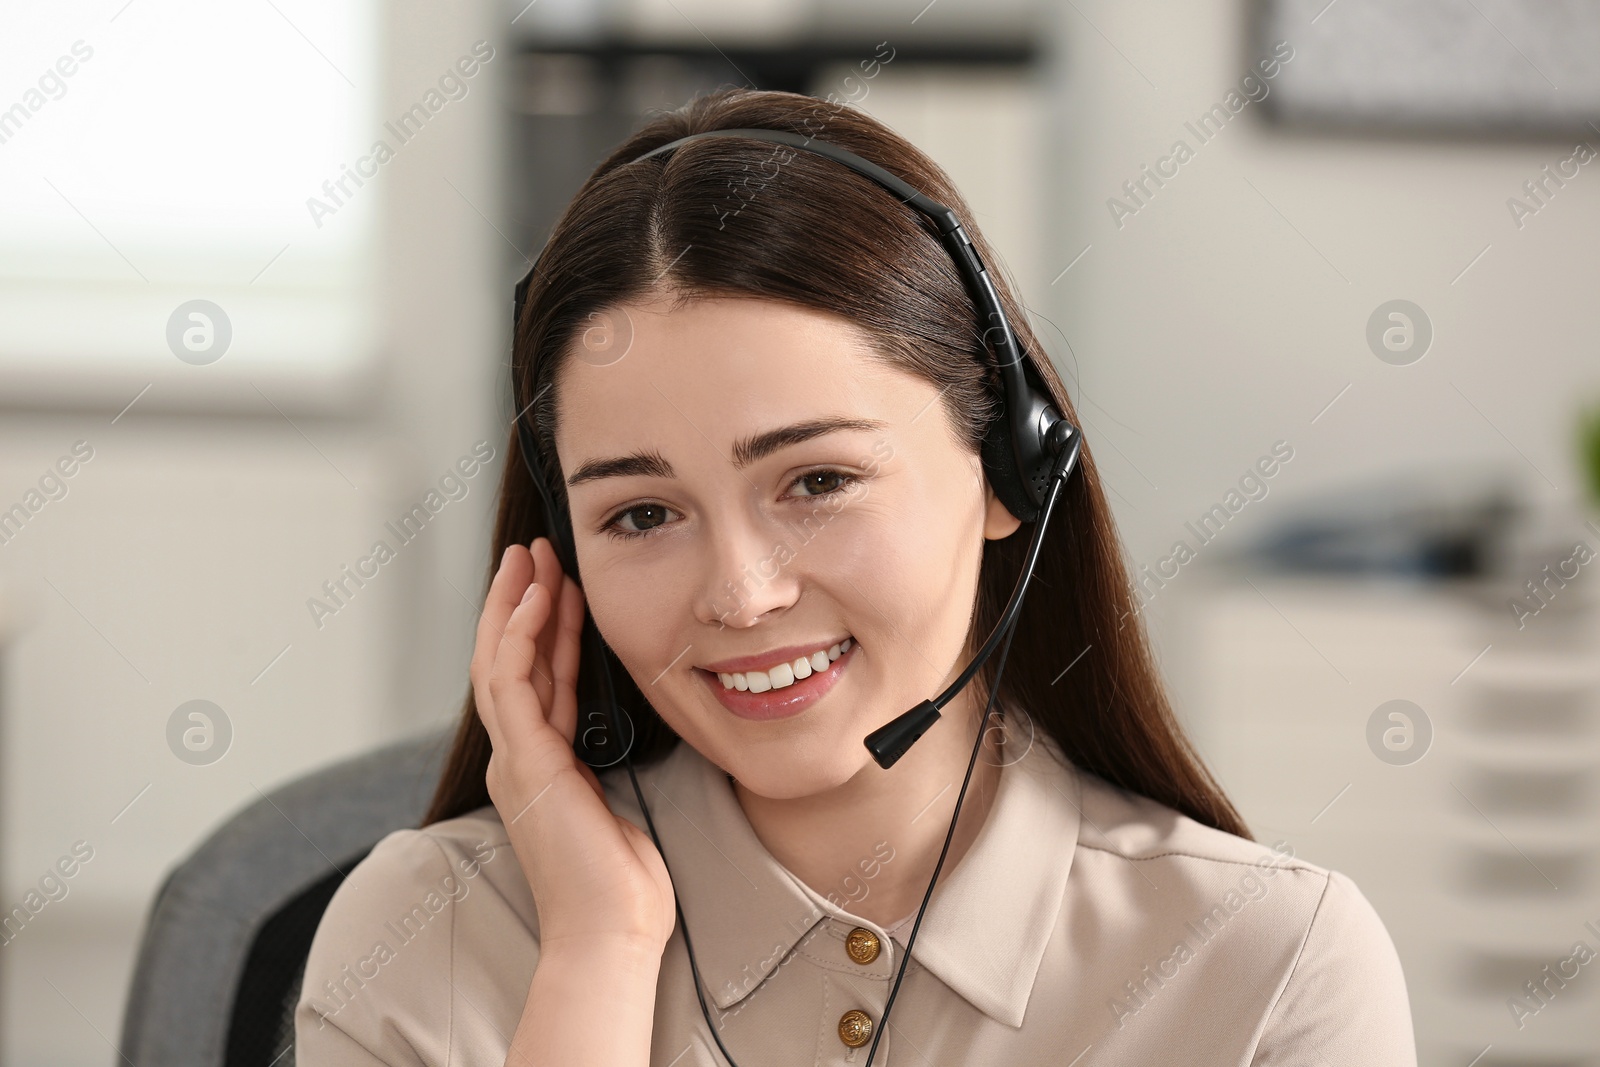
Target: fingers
x=594 y=782
x=526 y=657
x=565 y=658
x=517 y=717
x=510 y=581
x=546 y=572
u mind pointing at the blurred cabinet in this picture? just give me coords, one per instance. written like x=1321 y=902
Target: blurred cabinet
x=1471 y=821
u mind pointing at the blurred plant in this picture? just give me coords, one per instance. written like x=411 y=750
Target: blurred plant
x=1589 y=451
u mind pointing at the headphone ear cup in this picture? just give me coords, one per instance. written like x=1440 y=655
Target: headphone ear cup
x=1000 y=466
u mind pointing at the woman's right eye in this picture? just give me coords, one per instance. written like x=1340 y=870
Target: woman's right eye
x=655 y=518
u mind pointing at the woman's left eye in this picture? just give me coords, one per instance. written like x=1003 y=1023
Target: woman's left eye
x=832 y=481
x=821 y=482
x=616 y=530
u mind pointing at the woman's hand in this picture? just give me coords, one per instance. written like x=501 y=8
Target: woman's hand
x=596 y=877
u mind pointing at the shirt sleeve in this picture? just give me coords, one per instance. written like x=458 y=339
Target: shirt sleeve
x=1345 y=1001
x=369 y=995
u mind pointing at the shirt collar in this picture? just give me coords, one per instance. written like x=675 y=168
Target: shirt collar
x=984 y=933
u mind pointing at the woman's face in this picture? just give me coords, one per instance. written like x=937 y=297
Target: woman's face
x=746 y=479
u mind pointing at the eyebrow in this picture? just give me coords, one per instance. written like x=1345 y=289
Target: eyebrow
x=747 y=450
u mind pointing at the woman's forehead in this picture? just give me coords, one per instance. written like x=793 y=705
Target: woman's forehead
x=727 y=333
x=717 y=363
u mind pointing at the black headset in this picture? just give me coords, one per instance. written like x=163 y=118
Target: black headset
x=1017 y=449
x=1028 y=452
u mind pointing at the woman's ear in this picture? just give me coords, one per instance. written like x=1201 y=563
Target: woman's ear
x=998 y=522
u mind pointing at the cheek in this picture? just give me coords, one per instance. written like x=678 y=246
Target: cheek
x=886 y=562
x=903 y=575
x=639 y=611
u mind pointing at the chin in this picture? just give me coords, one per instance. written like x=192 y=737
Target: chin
x=799 y=769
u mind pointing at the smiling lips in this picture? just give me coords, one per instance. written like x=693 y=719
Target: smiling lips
x=784 y=689
x=783 y=674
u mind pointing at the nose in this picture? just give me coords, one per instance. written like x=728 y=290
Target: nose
x=748 y=574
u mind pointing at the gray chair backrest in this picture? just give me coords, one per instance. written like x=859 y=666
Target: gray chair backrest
x=225 y=940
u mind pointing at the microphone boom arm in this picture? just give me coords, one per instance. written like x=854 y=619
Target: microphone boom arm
x=890 y=741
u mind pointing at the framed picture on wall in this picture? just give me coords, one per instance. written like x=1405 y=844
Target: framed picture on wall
x=1486 y=67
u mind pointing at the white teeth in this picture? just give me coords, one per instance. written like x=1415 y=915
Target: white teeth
x=784 y=674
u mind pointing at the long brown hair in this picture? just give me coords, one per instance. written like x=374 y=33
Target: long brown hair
x=723 y=216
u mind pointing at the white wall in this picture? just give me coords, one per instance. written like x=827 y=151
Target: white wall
x=982 y=127
x=1227 y=313
x=1230 y=310
x=179 y=564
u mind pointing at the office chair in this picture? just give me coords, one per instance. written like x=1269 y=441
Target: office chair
x=225 y=942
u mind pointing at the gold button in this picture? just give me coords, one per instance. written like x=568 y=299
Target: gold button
x=863 y=945
x=855 y=1027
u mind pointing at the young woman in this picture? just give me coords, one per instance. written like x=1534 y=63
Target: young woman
x=758 y=386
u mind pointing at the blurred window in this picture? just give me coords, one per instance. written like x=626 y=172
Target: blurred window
x=146 y=161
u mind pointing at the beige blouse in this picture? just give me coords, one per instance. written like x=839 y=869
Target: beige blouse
x=1085 y=926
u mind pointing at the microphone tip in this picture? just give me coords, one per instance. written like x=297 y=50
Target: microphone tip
x=889 y=742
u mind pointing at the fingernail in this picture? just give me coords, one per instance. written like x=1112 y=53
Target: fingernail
x=506 y=555
x=529 y=594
